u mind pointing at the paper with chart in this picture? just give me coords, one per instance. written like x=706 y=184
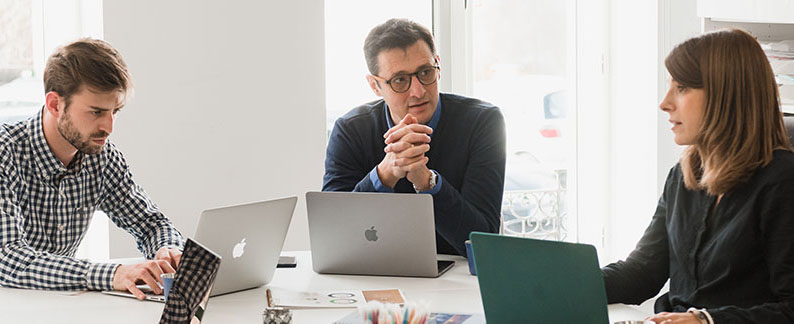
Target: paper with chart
x=334 y=298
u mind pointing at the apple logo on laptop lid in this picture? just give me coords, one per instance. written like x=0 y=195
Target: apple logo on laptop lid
x=239 y=249
x=371 y=234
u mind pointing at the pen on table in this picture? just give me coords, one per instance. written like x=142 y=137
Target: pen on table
x=269 y=298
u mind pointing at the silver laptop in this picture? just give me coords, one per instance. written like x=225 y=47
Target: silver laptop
x=373 y=234
x=249 y=239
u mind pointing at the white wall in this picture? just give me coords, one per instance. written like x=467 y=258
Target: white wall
x=633 y=73
x=229 y=105
x=678 y=21
x=643 y=33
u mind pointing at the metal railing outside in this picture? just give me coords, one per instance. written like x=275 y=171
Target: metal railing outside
x=539 y=214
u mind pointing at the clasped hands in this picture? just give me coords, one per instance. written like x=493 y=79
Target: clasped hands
x=406 y=145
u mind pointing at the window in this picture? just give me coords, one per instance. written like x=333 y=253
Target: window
x=32 y=30
x=522 y=62
x=539 y=61
x=345 y=68
x=20 y=86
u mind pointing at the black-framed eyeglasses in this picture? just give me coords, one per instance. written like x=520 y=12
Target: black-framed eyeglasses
x=402 y=82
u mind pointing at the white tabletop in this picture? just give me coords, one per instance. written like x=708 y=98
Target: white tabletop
x=456 y=291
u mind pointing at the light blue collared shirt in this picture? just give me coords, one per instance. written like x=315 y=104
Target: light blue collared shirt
x=373 y=175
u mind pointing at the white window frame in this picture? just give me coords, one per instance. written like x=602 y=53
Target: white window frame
x=452 y=27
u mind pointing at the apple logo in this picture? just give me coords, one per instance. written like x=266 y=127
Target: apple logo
x=239 y=249
x=371 y=234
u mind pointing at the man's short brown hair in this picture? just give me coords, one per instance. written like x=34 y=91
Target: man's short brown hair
x=394 y=33
x=86 y=62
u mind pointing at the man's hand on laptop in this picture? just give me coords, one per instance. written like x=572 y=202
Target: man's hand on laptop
x=169 y=254
x=148 y=272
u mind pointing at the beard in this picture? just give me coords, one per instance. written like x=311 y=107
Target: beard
x=72 y=135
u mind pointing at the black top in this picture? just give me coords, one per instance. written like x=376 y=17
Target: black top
x=737 y=263
x=467 y=151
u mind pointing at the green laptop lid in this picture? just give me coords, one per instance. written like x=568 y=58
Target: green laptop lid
x=535 y=281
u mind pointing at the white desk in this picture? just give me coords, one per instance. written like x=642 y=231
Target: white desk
x=455 y=291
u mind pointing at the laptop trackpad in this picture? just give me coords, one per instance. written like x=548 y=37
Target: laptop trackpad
x=444 y=265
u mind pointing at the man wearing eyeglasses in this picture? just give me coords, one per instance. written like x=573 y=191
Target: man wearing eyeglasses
x=416 y=140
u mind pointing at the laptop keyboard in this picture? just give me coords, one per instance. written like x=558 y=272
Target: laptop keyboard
x=150 y=294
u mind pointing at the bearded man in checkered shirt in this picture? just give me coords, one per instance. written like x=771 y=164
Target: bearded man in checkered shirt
x=58 y=167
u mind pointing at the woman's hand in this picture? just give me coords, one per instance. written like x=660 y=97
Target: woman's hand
x=674 y=318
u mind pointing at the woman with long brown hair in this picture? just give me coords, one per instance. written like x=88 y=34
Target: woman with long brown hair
x=723 y=231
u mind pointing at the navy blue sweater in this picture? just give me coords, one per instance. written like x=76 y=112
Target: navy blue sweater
x=467 y=151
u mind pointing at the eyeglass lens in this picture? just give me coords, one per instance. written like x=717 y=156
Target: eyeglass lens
x=401 y=83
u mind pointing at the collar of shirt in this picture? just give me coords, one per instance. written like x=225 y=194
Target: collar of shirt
x=433 y=120
x=49 y=166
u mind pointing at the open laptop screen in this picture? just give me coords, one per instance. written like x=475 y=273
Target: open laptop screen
x=193 y=281
x=545 y=281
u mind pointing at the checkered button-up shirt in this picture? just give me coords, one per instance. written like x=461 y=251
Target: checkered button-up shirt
x=46 y=207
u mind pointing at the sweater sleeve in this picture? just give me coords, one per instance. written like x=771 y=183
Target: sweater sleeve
x=343 y=170
x=477 y=206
